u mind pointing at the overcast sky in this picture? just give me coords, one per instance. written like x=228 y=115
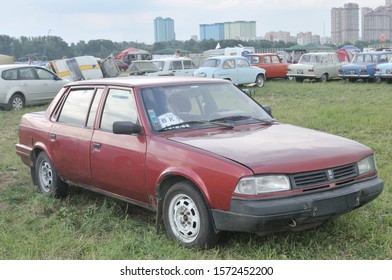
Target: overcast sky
x=129 y=20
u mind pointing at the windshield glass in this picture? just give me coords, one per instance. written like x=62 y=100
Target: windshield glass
x=210 y=63
x=194 y=106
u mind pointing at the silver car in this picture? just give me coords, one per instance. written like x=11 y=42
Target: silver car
x=23 y=84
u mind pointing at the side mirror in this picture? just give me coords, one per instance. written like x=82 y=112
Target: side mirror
x=124 y=127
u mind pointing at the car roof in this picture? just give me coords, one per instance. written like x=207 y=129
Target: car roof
x=170 y=58
x=145 y=81
x=226 y=57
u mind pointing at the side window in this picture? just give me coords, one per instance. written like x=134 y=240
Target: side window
x=266 y=59
x=94 y=108
x=176 y=65
x=119 y=106
x=241 y=63
x=228 y=64
x=27 y=74
x=76 y=107
x=275 y=59
x=188 y=64
x=255 y=59
x=44 y=74
x=10 y=74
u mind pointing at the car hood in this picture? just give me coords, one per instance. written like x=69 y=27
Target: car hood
x=278 y=148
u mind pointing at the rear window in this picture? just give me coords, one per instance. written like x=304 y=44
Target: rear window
x=10 y=74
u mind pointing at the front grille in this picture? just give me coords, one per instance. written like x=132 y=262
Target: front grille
x=324 y=177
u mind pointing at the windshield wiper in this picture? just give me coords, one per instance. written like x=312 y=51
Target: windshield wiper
x=188 y=123
x=241 y=117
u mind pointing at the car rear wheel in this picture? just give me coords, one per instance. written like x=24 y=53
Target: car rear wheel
x=324 y=78
x=260 y=80
x=187 y=217
x=49 y=183
x=16 y=102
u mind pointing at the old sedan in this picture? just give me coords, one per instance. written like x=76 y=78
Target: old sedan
x=315 y=66
x=271 y=62
x=236 y=69
x=23 y=84
x=363 y=66
x=200 y=152
x=383 y=71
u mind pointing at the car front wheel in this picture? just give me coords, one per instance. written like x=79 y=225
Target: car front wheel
x=187 y=218
x=260 y=80
x=49 y=183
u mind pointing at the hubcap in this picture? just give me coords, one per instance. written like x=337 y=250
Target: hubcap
x=46 y=176
x=184 y=218
x=17 y=103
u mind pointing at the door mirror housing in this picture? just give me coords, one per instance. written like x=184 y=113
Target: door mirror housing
x=125 y=127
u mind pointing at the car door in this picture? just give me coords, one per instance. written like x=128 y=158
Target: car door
x=118 y=161
x=30 y=84
x=245 y=74
x=71 y=134
x=50 y=84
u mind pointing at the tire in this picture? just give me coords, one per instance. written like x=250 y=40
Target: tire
x=49 y=183
x=16 y=102
x=299 y=80
x=260 y=80
x=187 y=218
x=324 y=78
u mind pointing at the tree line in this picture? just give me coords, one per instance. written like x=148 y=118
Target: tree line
x=54 y=47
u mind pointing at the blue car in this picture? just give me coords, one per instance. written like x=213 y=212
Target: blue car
x=363 y=66
x=236 y=69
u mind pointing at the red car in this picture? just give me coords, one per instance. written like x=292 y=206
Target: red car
x=200 y=152
x=271 y=62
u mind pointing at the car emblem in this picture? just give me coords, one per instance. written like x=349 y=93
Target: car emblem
x=330 y=174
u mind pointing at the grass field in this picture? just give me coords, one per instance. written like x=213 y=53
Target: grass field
x=90 y=226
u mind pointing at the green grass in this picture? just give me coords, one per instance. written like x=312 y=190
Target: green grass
x=90 y=226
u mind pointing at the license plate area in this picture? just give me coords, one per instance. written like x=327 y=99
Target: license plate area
x=336 y=205
x=300 y=71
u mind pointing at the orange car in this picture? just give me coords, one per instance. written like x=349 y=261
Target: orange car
x=271 y=62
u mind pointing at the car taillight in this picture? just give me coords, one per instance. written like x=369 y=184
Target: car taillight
x=376 y=69
x=340 y=71
x=363 y=70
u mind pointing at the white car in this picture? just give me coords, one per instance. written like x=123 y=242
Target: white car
x=23 y=84
x=174 y=66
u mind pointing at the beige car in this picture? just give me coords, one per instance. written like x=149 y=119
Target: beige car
x=315 y=66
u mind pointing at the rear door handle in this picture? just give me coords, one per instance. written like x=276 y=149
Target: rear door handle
x=97 y=145
x=52 y=136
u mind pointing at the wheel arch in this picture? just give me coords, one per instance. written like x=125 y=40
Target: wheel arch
x=169 y=179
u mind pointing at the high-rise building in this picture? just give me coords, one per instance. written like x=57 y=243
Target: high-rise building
x=212 y=31
x=388 y=2
x=164 y=29
x=345 y=23
x=237 y=30
x=377 y=23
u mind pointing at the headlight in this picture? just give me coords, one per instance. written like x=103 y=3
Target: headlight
x=367 y=165
x=263 y=184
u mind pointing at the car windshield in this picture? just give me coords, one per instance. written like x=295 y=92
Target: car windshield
x=310 y=59
x=210 y=63
x=195 y=106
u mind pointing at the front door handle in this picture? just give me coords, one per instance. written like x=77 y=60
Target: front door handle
x=97 y=145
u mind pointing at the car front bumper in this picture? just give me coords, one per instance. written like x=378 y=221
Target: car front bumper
x=295 y=212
